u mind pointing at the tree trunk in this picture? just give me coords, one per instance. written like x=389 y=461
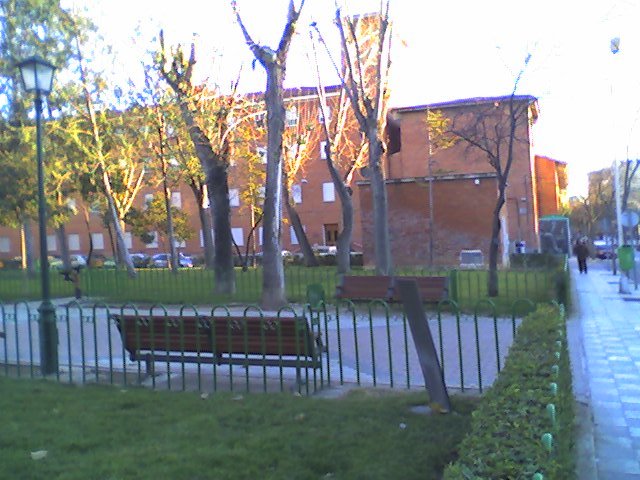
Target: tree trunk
x=207 y=238
x=29 y=248
x=343 y=242
x=380 y=217
x=494 y=246
x=217 y=183
x=273 y=291
x=172 y=243
x=61 y=233
x=218 y=187
x=310 y=259
x=122 y=250
x=200 y=194
x=87 y=223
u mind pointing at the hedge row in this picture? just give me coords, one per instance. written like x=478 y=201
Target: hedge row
x=513 y=434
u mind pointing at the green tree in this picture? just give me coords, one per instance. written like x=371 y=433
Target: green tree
x=154 y=218
x=27 y=27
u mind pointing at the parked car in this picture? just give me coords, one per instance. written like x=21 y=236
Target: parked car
x=78 y=261
x=162 y=260
x=323 y=250
x=603 y=250
x=140 y=260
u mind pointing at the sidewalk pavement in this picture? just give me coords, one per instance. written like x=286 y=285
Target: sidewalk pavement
x=603 y=332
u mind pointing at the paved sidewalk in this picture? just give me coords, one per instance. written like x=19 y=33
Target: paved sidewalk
x=604 y=341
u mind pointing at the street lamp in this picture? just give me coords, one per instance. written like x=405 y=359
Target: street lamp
x=37 y=77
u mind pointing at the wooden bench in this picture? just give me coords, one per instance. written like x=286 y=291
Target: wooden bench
x=431 y=289
x=382 y=287
x=237 y=340
x=364 y=287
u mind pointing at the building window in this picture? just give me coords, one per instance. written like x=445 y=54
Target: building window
x=52 y=243
x=262 y=153
x=323 y=150
x=98 y=241
x=179 y=243
x=291 y=116
x=328 y=192
x=128 y=240
x=154 y=242
x=71 y=204
x=5 y=244
x=73 y=239
x=260 y=233
x=292 y=234
x=238 y=236
x=296 y=193
x=148 y=198
x=234 y=197
x=321 y=117
x=176 y=199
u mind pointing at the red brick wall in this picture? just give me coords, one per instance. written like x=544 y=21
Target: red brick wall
x=521 y=196
x=549 y=201
x=462 y=219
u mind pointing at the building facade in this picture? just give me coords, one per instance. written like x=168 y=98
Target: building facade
x=440 y=199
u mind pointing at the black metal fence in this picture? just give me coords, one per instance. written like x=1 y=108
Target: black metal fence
x=301 y=348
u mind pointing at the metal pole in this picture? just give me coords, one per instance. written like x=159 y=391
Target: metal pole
x=47 y=328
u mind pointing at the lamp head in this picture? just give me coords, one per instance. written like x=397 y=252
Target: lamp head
x=37 y=75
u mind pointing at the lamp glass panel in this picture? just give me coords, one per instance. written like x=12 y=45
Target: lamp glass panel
x=28 y=72
x=44 y=77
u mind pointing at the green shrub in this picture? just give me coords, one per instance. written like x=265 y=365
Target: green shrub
x=536 y=260
x=505 y=439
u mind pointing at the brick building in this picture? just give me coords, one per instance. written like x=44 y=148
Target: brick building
x=459 y=181
x=462 y=184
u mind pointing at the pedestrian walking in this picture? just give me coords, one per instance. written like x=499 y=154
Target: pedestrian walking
x=581 y=251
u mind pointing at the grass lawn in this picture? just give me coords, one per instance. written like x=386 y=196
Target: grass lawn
x=196 y=286
x=101 y=432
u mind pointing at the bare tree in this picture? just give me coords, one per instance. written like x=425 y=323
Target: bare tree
x=494 y=128
x=366 y=56
x=274 y=62
x=213 y=149
x=297 y=145
x=344 y=151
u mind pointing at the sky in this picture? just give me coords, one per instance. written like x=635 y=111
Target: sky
x=589 y=98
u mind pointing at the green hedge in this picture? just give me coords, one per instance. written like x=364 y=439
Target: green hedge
x=536 y=260
x=507 y=428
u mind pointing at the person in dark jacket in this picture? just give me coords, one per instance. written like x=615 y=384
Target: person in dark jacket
x=581 y=251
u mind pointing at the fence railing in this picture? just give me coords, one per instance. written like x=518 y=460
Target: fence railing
x=243 y=348
x=197 y=286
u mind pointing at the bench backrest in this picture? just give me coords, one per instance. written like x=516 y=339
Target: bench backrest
x=382 y=287
x=431 y=289
x=364 y=287
x=286 y=336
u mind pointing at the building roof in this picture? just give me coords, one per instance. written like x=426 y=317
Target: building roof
x=467 y=102
x=299 y=92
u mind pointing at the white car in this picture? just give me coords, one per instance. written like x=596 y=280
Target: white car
x=323 y=250
x=78 y=261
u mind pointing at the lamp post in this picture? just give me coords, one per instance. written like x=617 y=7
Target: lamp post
x=624 y=284
x=37 y=77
